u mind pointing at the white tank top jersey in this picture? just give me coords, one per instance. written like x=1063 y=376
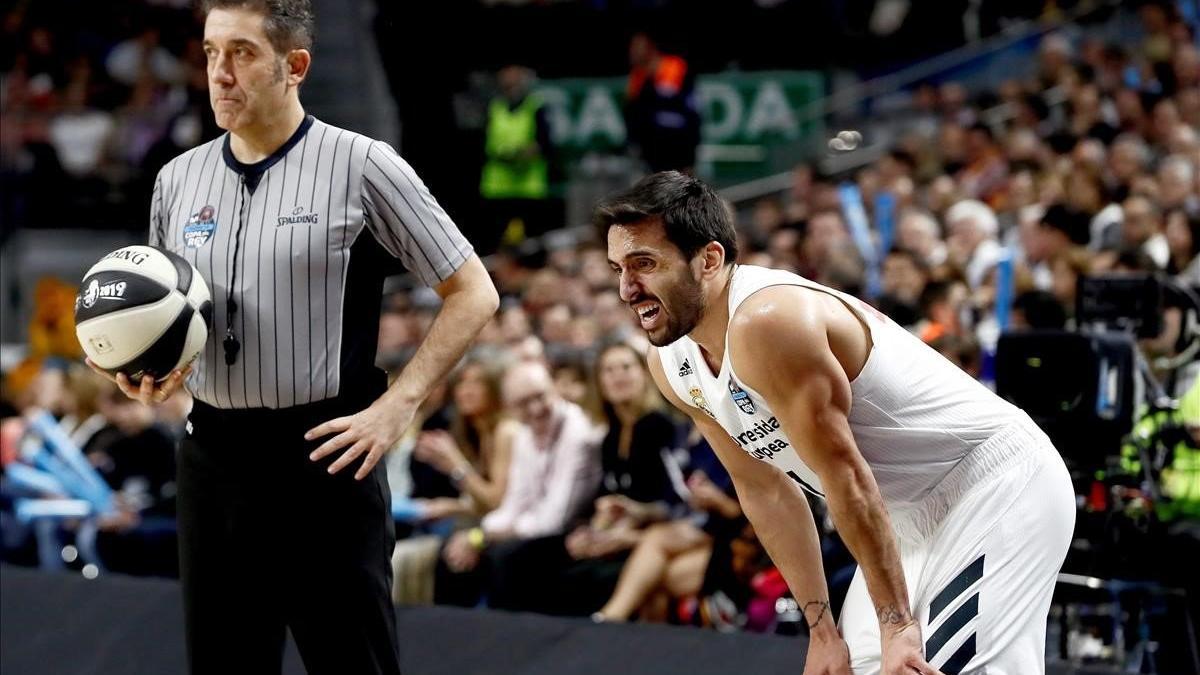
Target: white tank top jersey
x=914 y=415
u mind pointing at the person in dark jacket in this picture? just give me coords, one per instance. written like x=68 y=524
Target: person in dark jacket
x=661 y=115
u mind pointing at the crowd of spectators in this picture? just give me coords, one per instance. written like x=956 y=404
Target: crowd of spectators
x=547 y=474
x=1092 y=165
x=94 y=99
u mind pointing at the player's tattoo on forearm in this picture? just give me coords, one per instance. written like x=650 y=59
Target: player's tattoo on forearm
x=814 y=611
x=890 y=614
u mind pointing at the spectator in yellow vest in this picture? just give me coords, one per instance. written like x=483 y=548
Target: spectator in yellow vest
x=1174 y=549
x=515 y=181
x=1180 y=477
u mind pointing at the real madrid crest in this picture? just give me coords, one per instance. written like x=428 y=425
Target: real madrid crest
x=698 y=399
x=741 y=398
x=200 y=227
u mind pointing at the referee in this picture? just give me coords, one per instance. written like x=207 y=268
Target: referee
x=284 y=512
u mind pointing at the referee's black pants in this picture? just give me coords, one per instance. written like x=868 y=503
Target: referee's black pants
x=269 y=540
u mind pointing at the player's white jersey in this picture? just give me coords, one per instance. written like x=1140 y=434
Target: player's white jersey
x=914 y=414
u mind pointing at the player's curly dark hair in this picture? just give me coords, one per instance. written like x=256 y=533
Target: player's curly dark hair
x=692 y=213
x=288 y=23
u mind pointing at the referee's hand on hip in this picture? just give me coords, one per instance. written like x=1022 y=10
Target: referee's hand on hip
x=149 y=392
x=371 y=432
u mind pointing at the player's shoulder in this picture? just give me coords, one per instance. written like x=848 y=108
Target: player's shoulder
x=777 y=312
x=776 y=330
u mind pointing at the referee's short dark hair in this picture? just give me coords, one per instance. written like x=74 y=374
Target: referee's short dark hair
x=288 y=23
x=692 y=213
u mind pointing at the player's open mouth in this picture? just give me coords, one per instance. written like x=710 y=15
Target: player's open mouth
x=649 y=314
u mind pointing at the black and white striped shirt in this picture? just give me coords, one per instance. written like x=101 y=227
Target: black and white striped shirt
x=322 y=222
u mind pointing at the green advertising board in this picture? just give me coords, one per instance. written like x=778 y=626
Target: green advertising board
x=745 y=115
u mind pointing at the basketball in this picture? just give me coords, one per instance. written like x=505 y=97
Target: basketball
x=142 y=311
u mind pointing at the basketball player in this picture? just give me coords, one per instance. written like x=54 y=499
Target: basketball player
x=957 y=508
x=284 y=511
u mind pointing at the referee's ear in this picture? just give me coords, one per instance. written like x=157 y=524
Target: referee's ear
x=298 y=62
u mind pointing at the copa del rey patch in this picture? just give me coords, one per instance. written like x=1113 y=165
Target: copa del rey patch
x=200 y=227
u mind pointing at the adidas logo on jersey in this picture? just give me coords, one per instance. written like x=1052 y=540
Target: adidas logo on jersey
x=685 y=369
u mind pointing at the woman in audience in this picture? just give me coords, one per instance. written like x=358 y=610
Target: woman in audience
x=461 y=463
x=459 y=471
x=636 y=487
x=671 y=559
x=1183 y=240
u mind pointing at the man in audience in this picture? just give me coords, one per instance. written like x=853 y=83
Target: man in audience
x=942 y=308
x=1048 y=237
x=971 y=239
x=903 y=279
x=553 y=473
x=1142 y=229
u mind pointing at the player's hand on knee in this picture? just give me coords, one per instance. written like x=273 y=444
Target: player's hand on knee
x=903 y=652
x=827 y=651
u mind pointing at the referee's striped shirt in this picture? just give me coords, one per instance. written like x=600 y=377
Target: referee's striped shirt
x=323 y=220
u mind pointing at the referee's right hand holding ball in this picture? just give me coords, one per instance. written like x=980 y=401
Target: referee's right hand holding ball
x=149 y=392
x=142 y=317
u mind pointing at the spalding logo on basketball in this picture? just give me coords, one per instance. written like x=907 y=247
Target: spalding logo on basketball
x=141 y=311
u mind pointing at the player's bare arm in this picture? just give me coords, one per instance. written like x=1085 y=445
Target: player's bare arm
x=469 y=300
x=784 y=524
x=800 y=350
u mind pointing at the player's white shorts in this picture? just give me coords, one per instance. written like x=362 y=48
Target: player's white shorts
x=980 y=558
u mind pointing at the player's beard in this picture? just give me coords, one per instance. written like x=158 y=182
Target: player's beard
x=683 y=304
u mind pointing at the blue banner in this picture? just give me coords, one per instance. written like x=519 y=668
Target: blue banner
x=860 y=230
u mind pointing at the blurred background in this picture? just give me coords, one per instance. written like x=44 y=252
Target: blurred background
x=1016 y=181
